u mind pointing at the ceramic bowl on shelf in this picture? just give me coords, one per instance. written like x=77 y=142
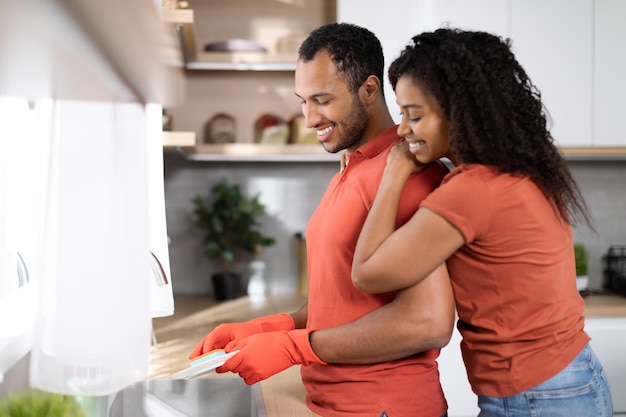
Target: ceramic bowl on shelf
x=220 y=129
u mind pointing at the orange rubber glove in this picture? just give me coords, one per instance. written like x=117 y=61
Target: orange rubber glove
x=265 y=354
x=226 y=333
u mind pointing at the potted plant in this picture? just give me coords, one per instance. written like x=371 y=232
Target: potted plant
x=580 y=256
x=35 y=403
x=230 y=221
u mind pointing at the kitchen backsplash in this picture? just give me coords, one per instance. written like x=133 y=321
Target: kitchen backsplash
x=291 y=191
x=604 y=187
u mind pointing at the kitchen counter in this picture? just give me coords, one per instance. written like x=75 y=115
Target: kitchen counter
x=605 y=305
x=283 y=394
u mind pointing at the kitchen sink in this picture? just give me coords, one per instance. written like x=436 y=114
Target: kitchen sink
x=206 y=397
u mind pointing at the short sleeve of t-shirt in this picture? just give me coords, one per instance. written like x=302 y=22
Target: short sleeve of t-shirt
x=464 y=199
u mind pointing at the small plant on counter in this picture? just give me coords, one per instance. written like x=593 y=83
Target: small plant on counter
x=230 y=222
x=582 y=279
x=580 y=254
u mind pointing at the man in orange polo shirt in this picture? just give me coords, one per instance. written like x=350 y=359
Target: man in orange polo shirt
x=362 y=354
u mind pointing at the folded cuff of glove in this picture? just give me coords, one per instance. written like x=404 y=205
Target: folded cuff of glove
x=302 y=341
x=277 y=322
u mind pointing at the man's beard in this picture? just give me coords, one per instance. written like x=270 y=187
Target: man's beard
x=352 y=127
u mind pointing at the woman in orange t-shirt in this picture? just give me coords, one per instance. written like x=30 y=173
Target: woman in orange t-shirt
x=502 y=219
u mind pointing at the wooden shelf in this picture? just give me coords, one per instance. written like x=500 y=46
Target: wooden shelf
x=179 y=139
x=185 y=142
x=181 y=20
x=594 y=153
x=253 y=152
x=240 y=66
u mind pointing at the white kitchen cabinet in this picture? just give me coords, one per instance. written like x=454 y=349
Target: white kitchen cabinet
x=462 y=402
x=553 y=40
x=412 y=17
x=46 y=53
x=570 y=49
x=408 y=20
x=554 y=47
x=484 y=15
x=608 y=341
x=610 y=67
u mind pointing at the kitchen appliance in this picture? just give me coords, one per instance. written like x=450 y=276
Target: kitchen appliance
x=615 y=269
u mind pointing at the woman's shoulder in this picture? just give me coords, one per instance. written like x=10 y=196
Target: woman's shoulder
x=468 y=172
x=487 y=181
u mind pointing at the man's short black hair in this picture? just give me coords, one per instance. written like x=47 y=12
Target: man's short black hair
x=356 y=52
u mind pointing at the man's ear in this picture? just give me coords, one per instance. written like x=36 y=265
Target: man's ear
x=370 y=89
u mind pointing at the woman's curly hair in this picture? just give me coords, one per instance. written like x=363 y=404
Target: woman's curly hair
x=356 y=52
x=495 y=112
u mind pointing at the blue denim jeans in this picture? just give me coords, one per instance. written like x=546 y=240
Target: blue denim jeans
x=580 y=390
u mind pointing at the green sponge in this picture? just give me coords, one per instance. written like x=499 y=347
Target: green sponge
x=207 y=357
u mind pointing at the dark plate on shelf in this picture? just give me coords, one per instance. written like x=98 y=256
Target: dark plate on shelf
x=234 y=45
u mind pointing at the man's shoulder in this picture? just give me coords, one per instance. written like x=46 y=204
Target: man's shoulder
x=381 y=144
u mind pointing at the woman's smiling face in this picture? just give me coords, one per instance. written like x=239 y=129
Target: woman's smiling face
x=423 y=123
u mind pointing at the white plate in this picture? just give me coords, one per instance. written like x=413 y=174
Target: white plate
x=203 y=368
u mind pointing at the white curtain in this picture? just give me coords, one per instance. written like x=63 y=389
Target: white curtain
x=93 y=326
